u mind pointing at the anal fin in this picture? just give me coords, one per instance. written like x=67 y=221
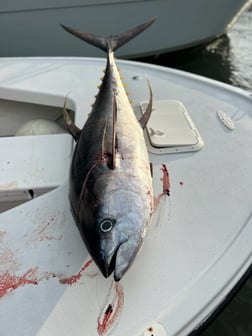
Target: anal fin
x=147 y=113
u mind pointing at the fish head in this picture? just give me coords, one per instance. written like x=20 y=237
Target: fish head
x=117 y=246
x=117 y=235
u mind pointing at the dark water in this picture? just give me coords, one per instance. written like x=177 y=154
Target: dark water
x=228 y=59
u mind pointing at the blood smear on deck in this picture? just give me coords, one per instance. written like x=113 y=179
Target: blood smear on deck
x=10 y=282
x=108 y=319
x=166 y=180
x=74 y=278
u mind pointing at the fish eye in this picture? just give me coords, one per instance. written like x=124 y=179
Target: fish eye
x=106 y=225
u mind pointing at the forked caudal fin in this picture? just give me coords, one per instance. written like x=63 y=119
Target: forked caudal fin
x=111 y=43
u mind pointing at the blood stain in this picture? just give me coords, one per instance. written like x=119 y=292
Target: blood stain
x=48 y=226
x=76 y=277
x=181 y=183
x=10 y=282
x=45 y=234
x=166 y=180
x=108 y=318
x=166 y=186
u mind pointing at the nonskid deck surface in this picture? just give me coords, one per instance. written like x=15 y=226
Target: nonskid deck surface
x=199 y=238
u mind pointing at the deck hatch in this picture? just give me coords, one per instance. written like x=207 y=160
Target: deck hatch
x=171 y=128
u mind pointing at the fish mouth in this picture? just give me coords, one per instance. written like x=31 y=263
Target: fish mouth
x=117 y=262
x=107 y=263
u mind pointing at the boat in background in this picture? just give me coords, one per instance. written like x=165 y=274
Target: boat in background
x=30 y=28
x=198 y=248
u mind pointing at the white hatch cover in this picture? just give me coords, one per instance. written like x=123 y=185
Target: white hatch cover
x=170 y=128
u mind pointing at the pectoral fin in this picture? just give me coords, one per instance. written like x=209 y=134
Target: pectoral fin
x=72 y=128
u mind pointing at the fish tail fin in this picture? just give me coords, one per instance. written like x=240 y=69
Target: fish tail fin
x=111 y=43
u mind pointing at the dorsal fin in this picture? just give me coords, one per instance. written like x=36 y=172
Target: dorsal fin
x=111 y=162
x=72 y=128
x=147 y=113
x=109 y=43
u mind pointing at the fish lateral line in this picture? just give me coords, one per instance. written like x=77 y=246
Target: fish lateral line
x=84 y=184
x=106 y=157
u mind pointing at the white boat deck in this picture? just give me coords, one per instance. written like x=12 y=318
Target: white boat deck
x=199 y=244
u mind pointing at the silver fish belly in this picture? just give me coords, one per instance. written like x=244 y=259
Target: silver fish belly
x=111 y=193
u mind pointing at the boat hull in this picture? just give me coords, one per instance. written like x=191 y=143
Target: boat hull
x=32 y=29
